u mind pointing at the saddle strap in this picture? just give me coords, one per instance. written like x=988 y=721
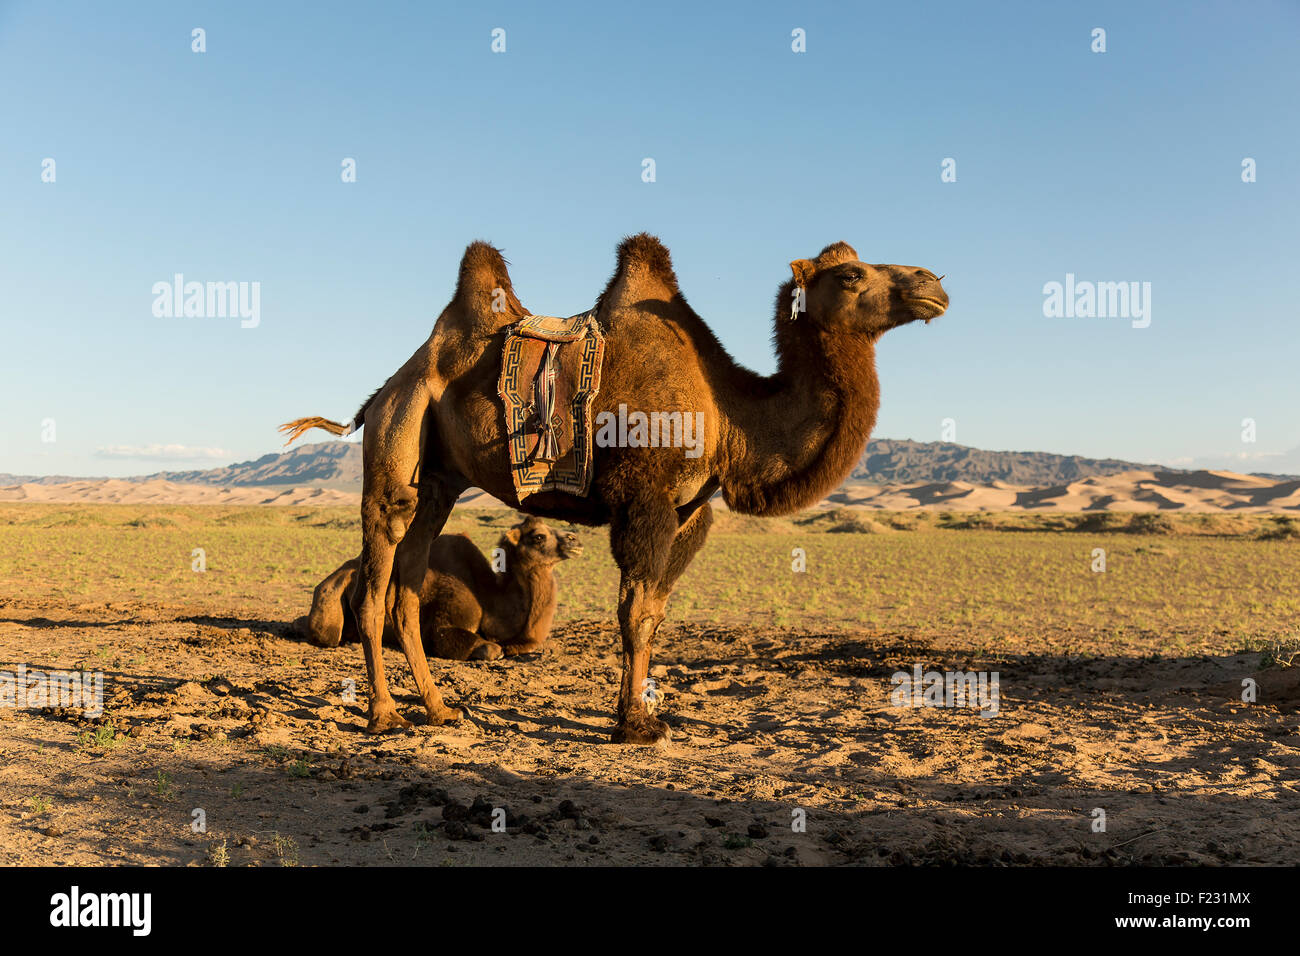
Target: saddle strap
x=548 y=446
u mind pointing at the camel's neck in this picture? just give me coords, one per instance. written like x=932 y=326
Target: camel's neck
x=787 y=449
x=531 y=592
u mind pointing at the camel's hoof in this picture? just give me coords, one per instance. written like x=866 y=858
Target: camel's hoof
x=447 y=715
x=385 y=721
x=646 y=730
x=487 y=651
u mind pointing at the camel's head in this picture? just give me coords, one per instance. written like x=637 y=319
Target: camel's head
x=537 y=545
x=840 y=291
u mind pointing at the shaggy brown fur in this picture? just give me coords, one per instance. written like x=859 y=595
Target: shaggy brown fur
x=772 y=444
x=468 y=611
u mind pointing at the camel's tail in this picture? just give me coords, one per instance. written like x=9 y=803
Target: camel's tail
x=300 y=425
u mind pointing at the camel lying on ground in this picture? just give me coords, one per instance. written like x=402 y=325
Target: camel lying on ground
x=468 y=610
x=772 y=444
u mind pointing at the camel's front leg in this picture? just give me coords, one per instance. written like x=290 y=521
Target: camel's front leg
x=639 y=616
x=641 y=611
x=641 y=537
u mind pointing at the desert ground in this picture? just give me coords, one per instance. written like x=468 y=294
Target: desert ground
x=1120 y=691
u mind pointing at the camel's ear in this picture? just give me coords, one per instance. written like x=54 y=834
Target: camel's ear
x=512 y=536
x=803 y=270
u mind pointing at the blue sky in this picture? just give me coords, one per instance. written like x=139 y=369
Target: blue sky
x=225 y=166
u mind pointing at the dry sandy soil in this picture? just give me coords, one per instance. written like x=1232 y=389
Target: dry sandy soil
x=237 y=718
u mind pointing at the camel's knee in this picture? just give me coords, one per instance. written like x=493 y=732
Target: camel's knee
x=323 y=627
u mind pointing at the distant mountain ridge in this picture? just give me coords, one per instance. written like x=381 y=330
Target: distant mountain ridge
x=338 y=465
x=331 y=464
x=893 y=461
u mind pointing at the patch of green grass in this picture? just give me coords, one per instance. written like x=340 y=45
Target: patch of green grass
x=1283 y=653
x=286 y=850
x=162 y=786
x=103 y=737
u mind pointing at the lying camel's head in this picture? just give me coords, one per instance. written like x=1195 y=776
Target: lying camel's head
x=843 y=292
x=536 y=545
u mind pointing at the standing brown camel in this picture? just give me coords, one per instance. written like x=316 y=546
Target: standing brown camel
x=772 y=444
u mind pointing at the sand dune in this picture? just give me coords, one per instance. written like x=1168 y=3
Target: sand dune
x=1133 y=491
x=112 y=491
x=1199 y=492
x=162 y=492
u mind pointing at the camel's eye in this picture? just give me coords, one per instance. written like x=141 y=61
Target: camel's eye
x=539 y=539
x=849 y=278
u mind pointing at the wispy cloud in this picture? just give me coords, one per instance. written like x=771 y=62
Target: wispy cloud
x=161 y=452
x=1273 y=462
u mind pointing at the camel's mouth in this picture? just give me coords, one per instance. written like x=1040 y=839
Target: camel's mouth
x=570 y=549
x=928 y=307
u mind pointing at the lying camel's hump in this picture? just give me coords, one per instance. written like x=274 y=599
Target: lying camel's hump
x=456 y=556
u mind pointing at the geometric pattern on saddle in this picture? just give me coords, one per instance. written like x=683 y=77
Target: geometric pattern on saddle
x=550 y=375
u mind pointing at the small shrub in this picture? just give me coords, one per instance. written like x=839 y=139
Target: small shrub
x=1283 y=528
x=1100 y=521
x=1151 y=523
x=151 y=521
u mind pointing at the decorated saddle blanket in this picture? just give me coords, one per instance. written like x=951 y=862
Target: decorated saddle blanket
x=550 y=375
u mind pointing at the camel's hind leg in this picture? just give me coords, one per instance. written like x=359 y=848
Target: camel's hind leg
x=410 y=564
x=396 y=530
x=383 y=525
